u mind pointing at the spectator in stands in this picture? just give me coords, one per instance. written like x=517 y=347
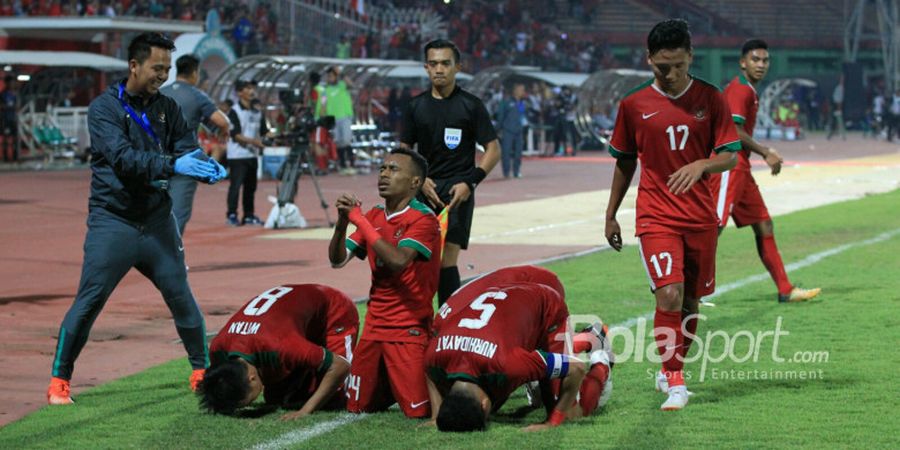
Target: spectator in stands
x=8 y=123
x=248 y=126
x=511 y=121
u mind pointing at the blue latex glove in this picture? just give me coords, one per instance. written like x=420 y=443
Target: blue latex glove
x=220 y=172
x=195 y=165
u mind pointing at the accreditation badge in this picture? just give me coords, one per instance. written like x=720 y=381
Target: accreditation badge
x=452 y=137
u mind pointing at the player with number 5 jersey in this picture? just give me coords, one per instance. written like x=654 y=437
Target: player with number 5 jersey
x=680 y=129
x=292 y=343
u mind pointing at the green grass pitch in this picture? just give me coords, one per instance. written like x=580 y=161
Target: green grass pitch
x=845 y=341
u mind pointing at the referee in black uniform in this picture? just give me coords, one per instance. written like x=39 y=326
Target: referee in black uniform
x=139 y=139
x=447 y=122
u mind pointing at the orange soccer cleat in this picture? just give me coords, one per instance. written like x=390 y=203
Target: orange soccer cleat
x=196 y=378
x=58 y=392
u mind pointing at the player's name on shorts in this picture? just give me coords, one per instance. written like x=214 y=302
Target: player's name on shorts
x=467 y=344
x=244 y=328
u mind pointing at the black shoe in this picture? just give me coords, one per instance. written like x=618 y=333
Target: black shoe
x=252 y=220
x=232 y=220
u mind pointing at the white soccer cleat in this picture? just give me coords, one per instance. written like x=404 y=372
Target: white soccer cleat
x=662 y=384
x=533 y=394
x=678 y=399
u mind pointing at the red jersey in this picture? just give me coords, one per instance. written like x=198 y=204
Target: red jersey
x=495 y=338
x=743 y=101
x=284 y=329
x=666 y=133
x=400 y=303
x=512 y=275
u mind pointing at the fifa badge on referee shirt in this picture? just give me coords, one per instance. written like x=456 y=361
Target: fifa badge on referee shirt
x=452 y=137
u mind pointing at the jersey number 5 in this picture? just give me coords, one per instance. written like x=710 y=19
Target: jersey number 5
x=269 y=297
x=672 y=131
x=487 y=310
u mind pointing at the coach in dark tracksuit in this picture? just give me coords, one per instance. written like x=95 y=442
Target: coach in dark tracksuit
x=446 y=122
x=138 y=140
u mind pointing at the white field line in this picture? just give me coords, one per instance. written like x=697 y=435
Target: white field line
x=296 y=437
x=805 y=262
x=293 y=438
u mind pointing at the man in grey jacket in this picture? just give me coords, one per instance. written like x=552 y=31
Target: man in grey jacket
x=139 y=139
x=511 y=121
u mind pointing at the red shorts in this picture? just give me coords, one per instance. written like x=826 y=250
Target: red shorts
x=322 y=137
x=738 y=196
x=688 y=258
x=343 y=343
x=384 y=373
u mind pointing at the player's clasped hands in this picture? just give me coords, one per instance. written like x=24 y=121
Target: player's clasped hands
x=197 y=165
x=347 y=203
x=684 y=178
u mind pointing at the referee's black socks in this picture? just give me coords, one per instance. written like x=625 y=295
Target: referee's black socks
x=448 y=284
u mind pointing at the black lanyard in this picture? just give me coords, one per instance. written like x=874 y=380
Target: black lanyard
x=141 y=120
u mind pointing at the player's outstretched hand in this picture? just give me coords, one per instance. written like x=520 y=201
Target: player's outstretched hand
x=460 y=193
x=344 y=204
x=428 y=188
x=294 y=415
x=684 y=178
x=221 y=173
x=614 y=234
x=195 y=165
x=774 y=160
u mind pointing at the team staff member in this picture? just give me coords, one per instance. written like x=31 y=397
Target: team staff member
x=736 y=190
x=681 y=130
x=446 y=122
x=248 y=127
x=197 y=108
x=401 y=240
x=292 y=343
x=136 y=137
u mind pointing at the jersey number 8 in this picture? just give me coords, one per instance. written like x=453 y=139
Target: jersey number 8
x=270 y=297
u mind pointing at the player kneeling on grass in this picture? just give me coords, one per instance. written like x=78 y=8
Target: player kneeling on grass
x=499 y=332
x=401 y=239
x=596 y=387
x=292 y=343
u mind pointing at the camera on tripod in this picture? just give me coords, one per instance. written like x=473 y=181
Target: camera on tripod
x=301 y=121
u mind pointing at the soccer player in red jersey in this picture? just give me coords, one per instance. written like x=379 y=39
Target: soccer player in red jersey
x=292 y=343
x=680 y=129
x=402 y=241
x=489 y=342
x=737 y=194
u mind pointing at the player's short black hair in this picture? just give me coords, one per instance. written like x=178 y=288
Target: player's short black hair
x=140 y=47
x=224 y=386
x=187 y=64
x=753 y=44
x=443 y=43
x=314 y=78
x=669 y=34
x=420 y=165
x=461 y=412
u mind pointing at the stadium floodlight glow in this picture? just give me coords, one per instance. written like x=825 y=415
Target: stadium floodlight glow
x=7 y=68
x=446 y=2
x=23 y=78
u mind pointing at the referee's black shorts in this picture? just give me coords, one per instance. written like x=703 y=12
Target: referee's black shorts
x=459 y=223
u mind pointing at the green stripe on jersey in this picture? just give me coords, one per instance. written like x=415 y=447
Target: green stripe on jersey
x=738 y=119
x=420 y=207
x=729 y=147
x=707 y=82
x=619 y=154
x=639 y=87
x=415 y=245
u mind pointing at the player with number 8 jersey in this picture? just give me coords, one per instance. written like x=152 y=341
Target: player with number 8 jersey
x=286 y=342
x=680 y=129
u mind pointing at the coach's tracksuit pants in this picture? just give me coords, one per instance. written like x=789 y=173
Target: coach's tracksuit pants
x=113 y=246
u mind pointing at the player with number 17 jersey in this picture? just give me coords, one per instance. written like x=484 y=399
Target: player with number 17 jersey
x=666 y=133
